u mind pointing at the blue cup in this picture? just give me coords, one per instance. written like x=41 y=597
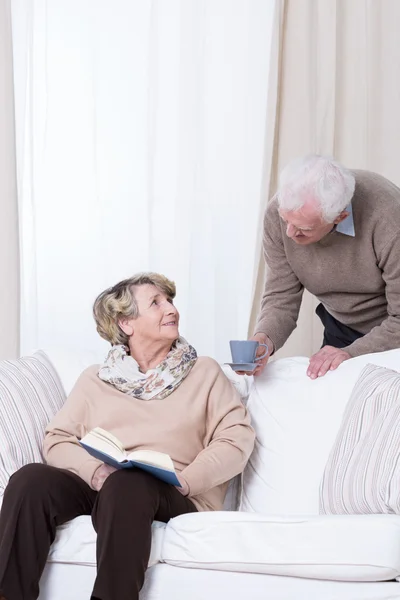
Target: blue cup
x=245 y=351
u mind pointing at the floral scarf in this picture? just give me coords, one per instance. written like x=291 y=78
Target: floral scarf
x=122 y=371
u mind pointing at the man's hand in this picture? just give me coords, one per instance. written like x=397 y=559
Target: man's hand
x=326 y=359
x=100 y=475
x=261 y=338
x=184 y=489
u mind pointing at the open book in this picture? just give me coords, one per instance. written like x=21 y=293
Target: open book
x=106 y=447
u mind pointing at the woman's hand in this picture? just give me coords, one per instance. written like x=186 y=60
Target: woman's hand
x=100 y=475
x=184 y=489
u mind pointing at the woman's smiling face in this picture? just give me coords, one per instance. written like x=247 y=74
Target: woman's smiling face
x=158 y=318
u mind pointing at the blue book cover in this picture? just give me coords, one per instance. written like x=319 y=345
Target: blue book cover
x=163 y=474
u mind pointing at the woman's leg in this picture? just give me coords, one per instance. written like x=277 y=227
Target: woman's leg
x=36 y=500
x=125 y=508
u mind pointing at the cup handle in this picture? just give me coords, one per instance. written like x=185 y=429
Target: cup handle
x=265 y=353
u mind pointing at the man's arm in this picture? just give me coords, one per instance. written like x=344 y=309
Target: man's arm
x=385 y=336
x=283 y=291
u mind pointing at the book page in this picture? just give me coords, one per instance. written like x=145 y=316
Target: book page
x=153 y=458
x=102 y=434
x=104 y=441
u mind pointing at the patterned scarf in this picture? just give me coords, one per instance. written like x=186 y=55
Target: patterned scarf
x=122 y=371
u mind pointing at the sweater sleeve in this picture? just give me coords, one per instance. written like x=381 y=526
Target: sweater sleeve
x=61 y=448
x=230 y=439
x=283 y=291
x=385 y=336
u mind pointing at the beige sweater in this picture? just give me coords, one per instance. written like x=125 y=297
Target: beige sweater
x=357 y=279
x=202 y=425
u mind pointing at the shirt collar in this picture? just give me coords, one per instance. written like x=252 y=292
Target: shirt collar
x=347 y=225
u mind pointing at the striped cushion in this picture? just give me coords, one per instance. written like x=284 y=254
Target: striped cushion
x=30 y=394
x=362 y=475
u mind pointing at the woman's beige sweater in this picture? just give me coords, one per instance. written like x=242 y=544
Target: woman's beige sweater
x=202 y=425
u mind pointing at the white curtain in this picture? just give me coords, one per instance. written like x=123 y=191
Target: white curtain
x=140 y=130
x=9 y=273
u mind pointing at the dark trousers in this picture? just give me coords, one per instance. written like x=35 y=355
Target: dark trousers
x=38 y=498
x=335 y=333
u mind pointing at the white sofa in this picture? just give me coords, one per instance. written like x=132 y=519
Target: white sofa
x=276 y=545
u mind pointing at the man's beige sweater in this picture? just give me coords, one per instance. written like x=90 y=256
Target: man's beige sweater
x=357 y=278
x=202 y=425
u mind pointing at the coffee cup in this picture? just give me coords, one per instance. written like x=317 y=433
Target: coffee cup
x=245 y=351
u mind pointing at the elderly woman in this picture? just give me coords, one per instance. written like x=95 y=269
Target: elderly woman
x=152 y=392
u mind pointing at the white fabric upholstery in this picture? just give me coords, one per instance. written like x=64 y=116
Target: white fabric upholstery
x=342 y=548
x=165 y=582
x=241 y=383
x=70 y=363
x=296 y=421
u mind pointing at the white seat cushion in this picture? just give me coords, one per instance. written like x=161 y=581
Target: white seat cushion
x=343 y=548
x=75 y=543
x=166 y=582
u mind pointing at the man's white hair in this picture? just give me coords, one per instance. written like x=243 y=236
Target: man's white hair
x=316 y=177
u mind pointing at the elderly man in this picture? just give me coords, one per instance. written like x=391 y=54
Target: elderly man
x=336 y=233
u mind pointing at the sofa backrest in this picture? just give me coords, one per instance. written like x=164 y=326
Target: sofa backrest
x=70 y=362
x=296 y=421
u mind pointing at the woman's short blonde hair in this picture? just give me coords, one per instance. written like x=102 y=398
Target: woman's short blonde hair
x=119 y=302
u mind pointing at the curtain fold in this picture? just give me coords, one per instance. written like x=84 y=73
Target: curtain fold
x=9 y=251
x=339 y=93
x=140 y=139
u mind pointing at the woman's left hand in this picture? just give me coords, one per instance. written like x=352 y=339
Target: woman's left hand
x=184 y=489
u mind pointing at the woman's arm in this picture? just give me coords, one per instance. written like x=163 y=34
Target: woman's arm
x=230 y=439
x=61 y=448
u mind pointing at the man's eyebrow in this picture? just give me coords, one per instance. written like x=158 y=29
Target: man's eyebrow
x=299 y=228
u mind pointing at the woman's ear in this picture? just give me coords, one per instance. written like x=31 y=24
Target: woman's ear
x=126 y=325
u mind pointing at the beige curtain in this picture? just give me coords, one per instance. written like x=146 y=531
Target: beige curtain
x=9 y=256
x=334 y=89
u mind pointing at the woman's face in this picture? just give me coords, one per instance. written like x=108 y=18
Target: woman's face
x=158 y=318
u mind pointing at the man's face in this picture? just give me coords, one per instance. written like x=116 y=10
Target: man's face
x=305 y=226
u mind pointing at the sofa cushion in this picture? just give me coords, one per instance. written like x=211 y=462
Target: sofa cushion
x=75 y=543
x=30 y=394
x=362 y=475
x=296 y=421
x=345 y=548
x=166 y=582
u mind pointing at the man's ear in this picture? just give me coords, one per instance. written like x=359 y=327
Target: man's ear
x=343 y=215
x=126 y=325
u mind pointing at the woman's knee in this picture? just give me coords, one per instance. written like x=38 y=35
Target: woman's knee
x=33 y=479
x=132 y=485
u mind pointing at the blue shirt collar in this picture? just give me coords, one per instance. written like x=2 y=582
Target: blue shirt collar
x=347 y=225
